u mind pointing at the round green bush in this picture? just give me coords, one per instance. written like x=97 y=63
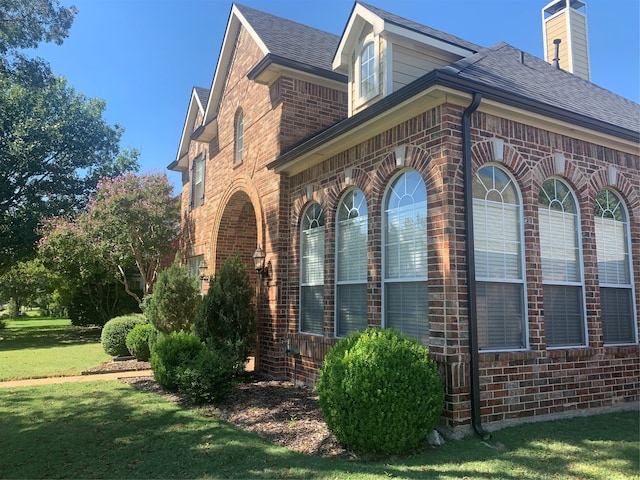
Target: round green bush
x=379 y=392
x=139 y=339
x=115 y=331
x=210 y=377
x=173 y=354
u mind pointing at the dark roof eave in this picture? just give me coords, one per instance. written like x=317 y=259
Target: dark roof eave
x=271 y=59
x=448 y=79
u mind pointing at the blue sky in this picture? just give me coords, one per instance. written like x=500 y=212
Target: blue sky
x=144 y=56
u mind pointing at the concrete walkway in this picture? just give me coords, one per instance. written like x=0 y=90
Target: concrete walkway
x=76 y=378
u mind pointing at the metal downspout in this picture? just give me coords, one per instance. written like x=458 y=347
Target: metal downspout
x=471 y=266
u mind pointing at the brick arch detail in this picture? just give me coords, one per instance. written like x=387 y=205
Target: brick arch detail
x=360 y=179
x=600 y=181
x=240 y=185
x=417 y=159
x=573 y=176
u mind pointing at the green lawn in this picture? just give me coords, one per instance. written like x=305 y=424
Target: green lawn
x=110 y=430
x=36 y=347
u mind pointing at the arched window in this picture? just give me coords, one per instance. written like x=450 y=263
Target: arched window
x=500 y=283
x=614 y=269
x=312 y=270
x=367 y=70
x=562 y=278
x=405 y=256
x=351 y=264
x=239 y=136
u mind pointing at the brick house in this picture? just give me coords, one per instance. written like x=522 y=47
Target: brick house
x=483 y=201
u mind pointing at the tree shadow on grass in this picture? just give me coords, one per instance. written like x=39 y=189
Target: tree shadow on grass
x=110 y=430
x=47 y=337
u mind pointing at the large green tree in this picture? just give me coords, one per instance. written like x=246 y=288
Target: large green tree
x=25 y=24
x=54 y=148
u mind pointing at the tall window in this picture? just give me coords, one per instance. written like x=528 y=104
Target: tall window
x=197 y=181
x=193 y=268
x=367 y=70
x=563 y=284
x=351 y=264
x=614 y=269
x=312 y=270
x=497 y=220
x=239 y=136
x=405 y=256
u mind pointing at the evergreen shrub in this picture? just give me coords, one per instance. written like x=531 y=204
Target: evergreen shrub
x=210 y=377
x=379 y=392
x=172 y=354
x=115 y=331
x=226 y=316
x=172 y=306
x=139 y=341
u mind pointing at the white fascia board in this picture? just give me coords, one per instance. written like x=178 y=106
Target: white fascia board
x=192 y=114
x=426 y=40
x=236 y=20
x=359 y=17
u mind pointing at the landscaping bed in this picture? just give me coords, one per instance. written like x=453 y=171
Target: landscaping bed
x=278 y=411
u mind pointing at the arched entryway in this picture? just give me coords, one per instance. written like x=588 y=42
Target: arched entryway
x=237 y=229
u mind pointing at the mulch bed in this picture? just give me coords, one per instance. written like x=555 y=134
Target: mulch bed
x=278 y=411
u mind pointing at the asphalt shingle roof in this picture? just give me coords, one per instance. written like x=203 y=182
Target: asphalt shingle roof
x=203 y=95
x=293 y=40
x=501 y=67
x=417 y=27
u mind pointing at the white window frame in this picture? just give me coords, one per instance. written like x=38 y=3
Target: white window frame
x=498 y=280
x=357 y=215
x=628 y=263
x=361 y=98
x=579 y=283
x=238 y=144
x=415 y=280
x=193 y=269
x=198 y=180
x=316 y=226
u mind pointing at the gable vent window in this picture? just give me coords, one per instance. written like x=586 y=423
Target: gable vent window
x=197 y=181
x=239 y=136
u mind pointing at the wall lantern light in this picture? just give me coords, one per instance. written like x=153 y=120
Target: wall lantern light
x=202 y=269
x=258 y=260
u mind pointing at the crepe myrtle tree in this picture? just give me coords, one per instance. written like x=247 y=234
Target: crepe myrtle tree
x=134 y=221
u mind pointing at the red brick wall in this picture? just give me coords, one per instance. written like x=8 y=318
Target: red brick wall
x=514 y=385
x=247 y=205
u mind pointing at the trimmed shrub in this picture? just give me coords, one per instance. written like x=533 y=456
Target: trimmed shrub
x=115 y=331
x=172 y=306
x=139 y=341
x=210 y=377
x=379 y=392
x=172 y=354
x=226 y=316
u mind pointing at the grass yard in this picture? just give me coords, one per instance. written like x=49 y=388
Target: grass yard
x=110 y=430
x=36 y=347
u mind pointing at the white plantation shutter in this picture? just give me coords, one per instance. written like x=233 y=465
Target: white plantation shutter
x=312 y=271
x=406 y=300
x=613 y=259
x=498 y=261
x=496 y=228
x=559 y=245
x=614 y=270
x=563 y=285
x=351 y=264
